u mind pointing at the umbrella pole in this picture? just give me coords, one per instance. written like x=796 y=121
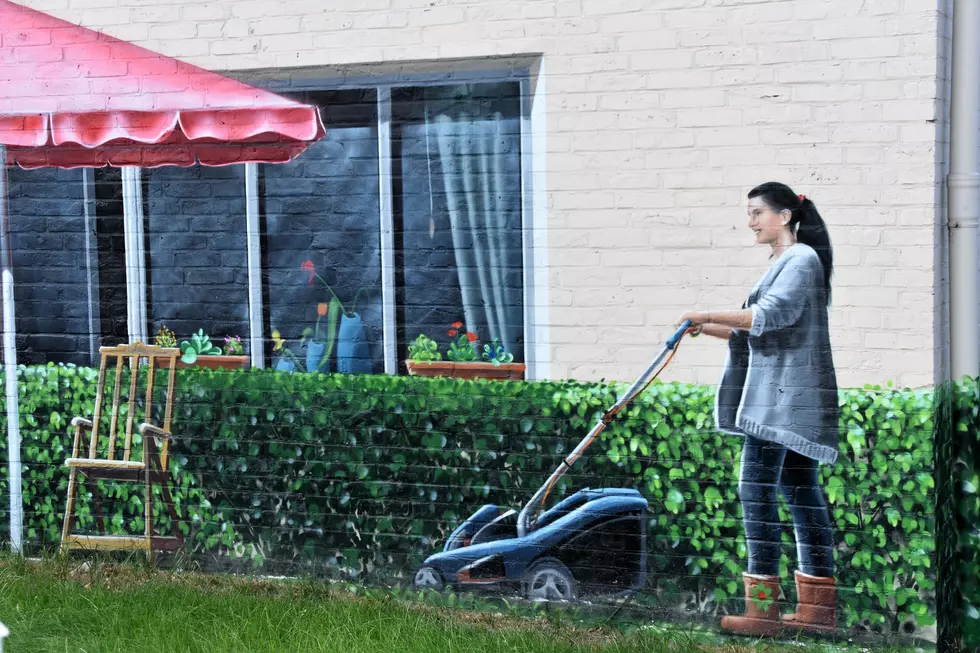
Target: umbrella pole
x=10 y=365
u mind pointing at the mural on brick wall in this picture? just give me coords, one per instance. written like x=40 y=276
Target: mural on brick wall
x=387 y=434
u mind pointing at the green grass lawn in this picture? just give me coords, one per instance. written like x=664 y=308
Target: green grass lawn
x=65 y=607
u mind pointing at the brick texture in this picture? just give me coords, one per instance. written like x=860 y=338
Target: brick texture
x=661 y=108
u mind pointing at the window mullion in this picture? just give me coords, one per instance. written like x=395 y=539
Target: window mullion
x=254 y=251
x=135 y=253
x=388 y=289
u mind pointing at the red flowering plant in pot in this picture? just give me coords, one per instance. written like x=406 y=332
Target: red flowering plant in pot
x=463 y=357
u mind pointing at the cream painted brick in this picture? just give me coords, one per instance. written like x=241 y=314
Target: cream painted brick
x=644 y=199
x=727 y=56
x=854 y=27
x=864 y=133
x=678 y=80
x=727 y=136
x=630 y=100
x=909 y=110
x=818 y=93
x=810 y=72
x=235 y=46
x=822 y=154
x=707 y=37
x=849 y=112
x=437 y=16
x=696 y=18
x=646 y=120
x=203 y=12
x=788 y=134
x=663 y=140
x=694 y=179
x=909 y=67
x=910 y=279
x=605 y=63
x=693 y=98
x=535 y=10
x=672 y=159
x=771 y=114
x=715 y=117
x=625 y=23
x=867 y=48
x=279 y=25
x=659 y=40
x=862 y=70
x=770 y=53
x=788 y=32
x=661 y=60
x=631 y=180
x=743 y=75
x=106 y=17
x=491 y=12
x=618 y=239
x=632 y=259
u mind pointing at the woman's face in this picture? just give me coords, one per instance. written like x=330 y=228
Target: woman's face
x=767 y=224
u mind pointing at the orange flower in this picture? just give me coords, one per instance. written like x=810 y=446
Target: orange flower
x=307 y=266
x=457 y=325
x=472 y=337
x=452 y=333
x=321 y=309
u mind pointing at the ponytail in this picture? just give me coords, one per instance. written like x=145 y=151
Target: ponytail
x=805 y=220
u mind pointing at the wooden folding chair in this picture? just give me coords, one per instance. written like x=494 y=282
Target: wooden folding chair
x=103 y=461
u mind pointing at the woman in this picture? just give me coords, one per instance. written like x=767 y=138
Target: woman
x=779 y=392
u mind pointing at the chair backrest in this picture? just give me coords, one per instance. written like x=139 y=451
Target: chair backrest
x=144 y=363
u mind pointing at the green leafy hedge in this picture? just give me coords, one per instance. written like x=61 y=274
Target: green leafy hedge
x=966 y=411
x=366 y=475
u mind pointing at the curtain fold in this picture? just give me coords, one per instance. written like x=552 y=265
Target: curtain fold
x=472 y=151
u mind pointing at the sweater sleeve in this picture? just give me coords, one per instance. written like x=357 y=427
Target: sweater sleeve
x=782 y=304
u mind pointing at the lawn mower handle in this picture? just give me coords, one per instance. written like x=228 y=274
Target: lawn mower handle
x=523 y=525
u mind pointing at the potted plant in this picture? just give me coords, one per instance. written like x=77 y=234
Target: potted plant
x=345 y=329
x=199 y=351
x=425 y=359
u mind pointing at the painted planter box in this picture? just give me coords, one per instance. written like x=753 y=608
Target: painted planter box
x=211 y=362
x=504 y=371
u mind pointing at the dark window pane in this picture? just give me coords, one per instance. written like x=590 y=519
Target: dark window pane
x=322 y=228
x=55 y=266
x=197 y=275
x=457 y=201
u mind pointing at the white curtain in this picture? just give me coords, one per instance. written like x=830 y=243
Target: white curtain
x=472 y=151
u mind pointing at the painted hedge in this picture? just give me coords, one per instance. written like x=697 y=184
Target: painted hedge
x=363 y=476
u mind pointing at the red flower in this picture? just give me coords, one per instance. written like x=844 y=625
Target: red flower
x=472 y=337
x=308 y=267
x=452 y=333
x=457 y=325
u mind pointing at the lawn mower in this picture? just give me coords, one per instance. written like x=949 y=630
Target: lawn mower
x=591 y=543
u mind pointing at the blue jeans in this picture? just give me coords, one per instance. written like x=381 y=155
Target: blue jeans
x=767 y=468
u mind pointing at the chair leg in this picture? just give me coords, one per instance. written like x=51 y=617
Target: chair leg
x=169 y=502
x=97 y=504
x=149 y=512
x=69 y=510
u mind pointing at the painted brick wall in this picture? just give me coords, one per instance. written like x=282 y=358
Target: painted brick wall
x=660 y=116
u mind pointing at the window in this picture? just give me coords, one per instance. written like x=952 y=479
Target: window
x=197 y=269
x=456 y=172
x=407 y=217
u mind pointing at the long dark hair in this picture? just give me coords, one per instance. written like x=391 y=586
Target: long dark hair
x=804 y=219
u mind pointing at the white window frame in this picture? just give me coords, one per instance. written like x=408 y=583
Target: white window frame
x=537 y=352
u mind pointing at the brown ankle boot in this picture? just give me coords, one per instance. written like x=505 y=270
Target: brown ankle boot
x=761 y=616
x=817 y=608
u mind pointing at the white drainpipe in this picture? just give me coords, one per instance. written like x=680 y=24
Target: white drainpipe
x=10 y=365
x=964 y=190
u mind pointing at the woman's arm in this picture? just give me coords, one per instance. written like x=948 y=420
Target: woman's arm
x=717 y=331
x=721 y=322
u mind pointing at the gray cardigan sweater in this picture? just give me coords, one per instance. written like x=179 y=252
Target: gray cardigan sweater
x=779 y=383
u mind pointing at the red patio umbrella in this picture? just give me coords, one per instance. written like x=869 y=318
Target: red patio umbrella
x=73 y=97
